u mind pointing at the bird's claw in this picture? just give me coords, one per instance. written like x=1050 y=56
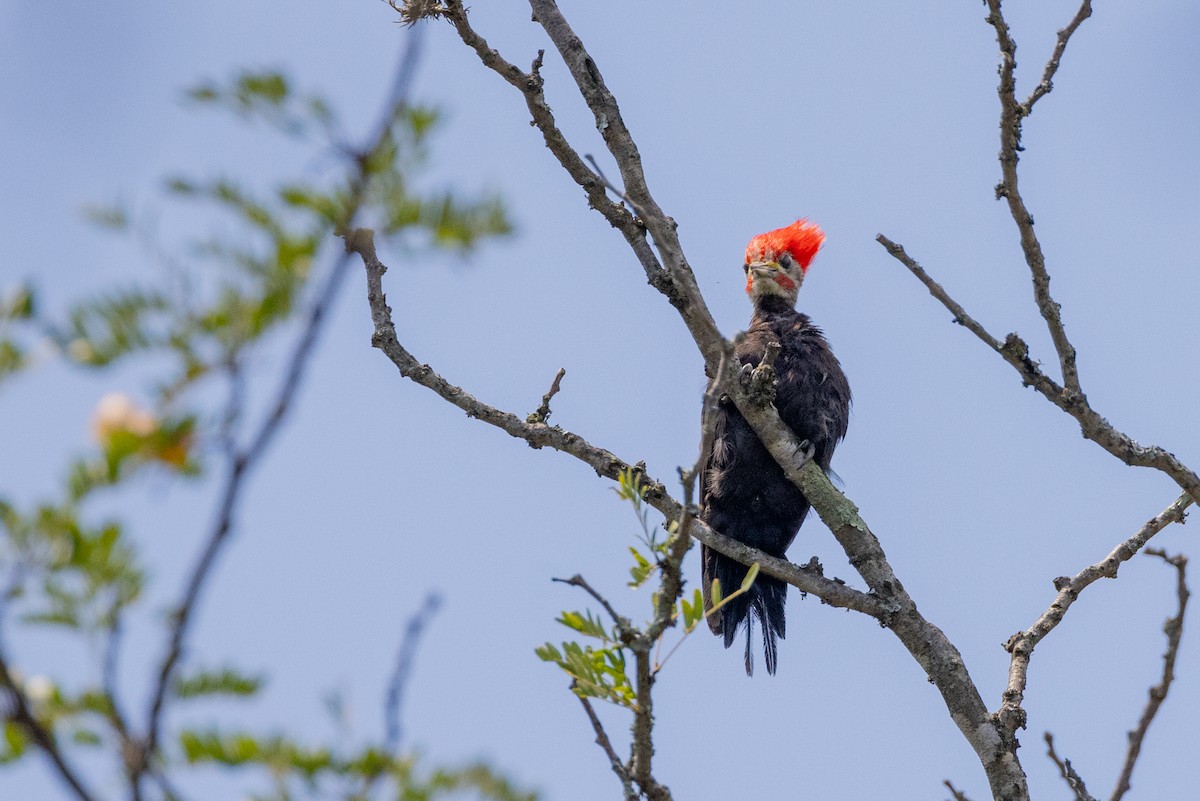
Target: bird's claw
x=761 y=384
x=805 y=452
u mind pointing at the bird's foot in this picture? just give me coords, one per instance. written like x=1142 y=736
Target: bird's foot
x=805 y=452
x=761 y=384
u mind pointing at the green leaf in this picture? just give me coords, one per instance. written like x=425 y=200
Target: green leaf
x=585 y=624
x=15 y=742
x=271 y=87
x=692 y=612
x=18 y=304
x=112 y=216
x=597 y=672
x=12 y=357
x=715 y=592
x=641 y=570
x=751 y=574
x=86 y=737
x=224 y=682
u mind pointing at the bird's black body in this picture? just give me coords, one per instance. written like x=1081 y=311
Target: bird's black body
x=744 y=493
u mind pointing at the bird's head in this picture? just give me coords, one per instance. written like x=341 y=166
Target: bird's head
x=777 y=260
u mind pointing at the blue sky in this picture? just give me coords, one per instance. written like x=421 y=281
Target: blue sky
x=866 y=119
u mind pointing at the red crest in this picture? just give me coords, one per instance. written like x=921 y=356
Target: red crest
x=801 y=239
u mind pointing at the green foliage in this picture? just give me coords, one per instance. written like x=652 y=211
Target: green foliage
x=631 y=487
x=350 y=774
x=223 y=682
x=84 y=575
x=595 y=672
x=198 y=327
x=102 y=330
x=267 y=96
x=693 y=612
x=15 y=741
x=17 y=306
x=587 y=624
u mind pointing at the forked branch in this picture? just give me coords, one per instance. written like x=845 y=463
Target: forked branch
x=1158 y=693
x=1021 y=644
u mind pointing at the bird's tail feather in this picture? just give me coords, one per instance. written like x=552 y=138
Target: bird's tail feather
x=765 y=601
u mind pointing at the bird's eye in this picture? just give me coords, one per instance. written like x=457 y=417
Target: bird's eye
x=785 y=260
x=746 y=267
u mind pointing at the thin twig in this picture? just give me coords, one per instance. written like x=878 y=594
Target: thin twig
x=1073 y=779
x=958 y=794
x=242 y=460
x=680 y=540
x=960 y=314
x=606 y=745
x=1173 y=628
x=542 y=413
x=1047 y=84
x=530 y=84
x=20 y=712
x=132 y=757
x=1021 y=644
x=579 y=581
x=616 y=190
x=393 y=701
x=1011 y=115
x=239 y=468
x=1092 y=424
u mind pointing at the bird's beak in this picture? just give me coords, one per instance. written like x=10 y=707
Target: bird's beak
x=764 y=269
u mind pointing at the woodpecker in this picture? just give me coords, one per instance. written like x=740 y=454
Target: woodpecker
x=744 y=492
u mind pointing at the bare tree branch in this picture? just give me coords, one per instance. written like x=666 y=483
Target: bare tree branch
x=1011 y=114
x=889 y=603
x=1158 y=693
x=606 y=745
x=1092 y=424
x=1022 y=644
x=530 y=85
x=1073 y=779
x=1046 y=84
x=604 y=462
x=927 y=643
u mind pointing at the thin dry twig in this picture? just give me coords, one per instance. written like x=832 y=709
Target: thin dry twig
x=579 y=581
x=1046 y=84
x=542 y=413
x=1011 y=115
x=1173 y=627
x=958 y=794
x=606 y=745
x=1022 y=644
x=530 y=85
x=1092 y=424
x=1073 y=779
